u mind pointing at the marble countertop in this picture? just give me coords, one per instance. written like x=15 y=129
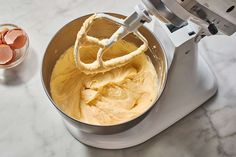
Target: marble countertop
x=30 y=126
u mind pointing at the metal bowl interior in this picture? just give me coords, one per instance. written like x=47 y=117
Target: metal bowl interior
x=65 y=38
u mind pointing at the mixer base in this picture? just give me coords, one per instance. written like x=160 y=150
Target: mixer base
x=178 y=100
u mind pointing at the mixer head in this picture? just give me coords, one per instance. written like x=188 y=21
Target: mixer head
x=212 y=15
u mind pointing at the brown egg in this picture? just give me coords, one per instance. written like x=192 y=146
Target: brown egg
x=13 y=57
x=2 y=33
x=15 y=38
x=6 y=54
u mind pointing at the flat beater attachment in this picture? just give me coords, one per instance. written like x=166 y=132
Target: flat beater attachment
x=99 y=65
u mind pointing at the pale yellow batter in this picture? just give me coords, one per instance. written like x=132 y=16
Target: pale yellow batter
x=106 y=98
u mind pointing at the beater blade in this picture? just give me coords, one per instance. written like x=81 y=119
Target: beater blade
x=128 y=25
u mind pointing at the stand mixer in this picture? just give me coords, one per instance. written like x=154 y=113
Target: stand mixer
x=179 y=26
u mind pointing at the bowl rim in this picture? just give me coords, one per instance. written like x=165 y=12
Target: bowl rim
x=113 y=125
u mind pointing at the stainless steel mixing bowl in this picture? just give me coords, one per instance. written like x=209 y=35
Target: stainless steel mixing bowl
x=65 y=38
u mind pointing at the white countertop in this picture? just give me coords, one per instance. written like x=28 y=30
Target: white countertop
x=30 y=126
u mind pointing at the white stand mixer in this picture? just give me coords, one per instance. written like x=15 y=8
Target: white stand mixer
x=190 y=82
